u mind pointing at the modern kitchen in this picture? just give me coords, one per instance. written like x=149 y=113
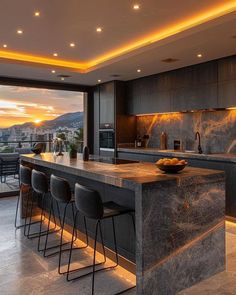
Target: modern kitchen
x=146 y=204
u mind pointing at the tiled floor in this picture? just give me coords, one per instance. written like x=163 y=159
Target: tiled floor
x=23 y=271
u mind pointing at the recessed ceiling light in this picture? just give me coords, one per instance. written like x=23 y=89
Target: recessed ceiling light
x=72 y=44
x=199 y=55
x=53 y=71
x=138 y=70
x=55 y=54
x=99 y=29
x=99 y=81
x=136 y=6
x=62 y=78
x=19 y=32
x=5 y=45
x=36 y=13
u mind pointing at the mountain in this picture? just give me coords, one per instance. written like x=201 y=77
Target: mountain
x=70 y=120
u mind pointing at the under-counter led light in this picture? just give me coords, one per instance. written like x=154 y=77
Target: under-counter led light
x=199 y=55
x=53 y=71
x=136 y=6
x=37 y=13
x=19 y=32
x=99 y=29
x=5 y=45
x=138 y=70
x=72 y=44
x=55 y=54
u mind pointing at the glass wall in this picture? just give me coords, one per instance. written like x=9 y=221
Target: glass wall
x=30 y=115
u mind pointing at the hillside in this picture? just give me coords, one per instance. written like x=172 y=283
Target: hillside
x=70 y=120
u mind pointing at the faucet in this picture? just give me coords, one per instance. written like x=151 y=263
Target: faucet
x=197 y=136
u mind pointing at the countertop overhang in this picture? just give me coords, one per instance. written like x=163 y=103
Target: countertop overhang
x=130 y=176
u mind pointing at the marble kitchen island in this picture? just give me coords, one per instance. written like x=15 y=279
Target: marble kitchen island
x=180 y=230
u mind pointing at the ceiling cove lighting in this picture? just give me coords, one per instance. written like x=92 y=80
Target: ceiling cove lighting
x=159 y=35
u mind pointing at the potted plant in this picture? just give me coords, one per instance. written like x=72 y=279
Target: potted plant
x=72 y=149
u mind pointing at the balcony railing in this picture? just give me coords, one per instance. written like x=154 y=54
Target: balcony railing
x=9 y=161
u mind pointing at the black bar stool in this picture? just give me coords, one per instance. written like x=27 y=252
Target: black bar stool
x=89 y=203
x=61 y=193
x=40 y=186
x=25 y=181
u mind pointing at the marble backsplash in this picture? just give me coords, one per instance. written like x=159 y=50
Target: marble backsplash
x=217 y=129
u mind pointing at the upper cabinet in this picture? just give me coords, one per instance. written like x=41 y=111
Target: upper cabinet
x=107 y=105
x=148 y=95
x=194 y=88
x=185 y=89
x=227 y=82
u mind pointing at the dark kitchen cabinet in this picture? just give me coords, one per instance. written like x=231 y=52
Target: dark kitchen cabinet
x=227 y=94
x=96 y=121
x=107 y=105
x=148 y=95
x=227 y=82
x=189 y=88
x=110 y=112
x=194 y=98
x=227 y=69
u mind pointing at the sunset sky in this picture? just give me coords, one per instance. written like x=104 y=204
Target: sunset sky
x=20 y=104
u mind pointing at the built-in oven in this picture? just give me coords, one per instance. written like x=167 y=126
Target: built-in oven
x=107 y=139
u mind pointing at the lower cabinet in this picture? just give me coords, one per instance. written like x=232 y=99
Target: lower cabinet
x=229 y=168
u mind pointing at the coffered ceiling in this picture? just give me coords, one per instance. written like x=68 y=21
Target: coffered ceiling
x=33 y=31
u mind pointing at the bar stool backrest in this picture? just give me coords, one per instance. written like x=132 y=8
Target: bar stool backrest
x=39 y=182
x=25 y=175
x=88 y=202
x=60 y=189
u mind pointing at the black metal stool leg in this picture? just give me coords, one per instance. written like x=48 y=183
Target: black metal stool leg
x=30 y=218
x=26 y=216
x=94 y=256
x=41 y=222
x=115 y=243
x=48 y=228
x=103 y=247
x=62 y=230
x=71 y=247
x=17 y=206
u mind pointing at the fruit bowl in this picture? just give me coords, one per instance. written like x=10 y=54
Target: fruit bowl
x=171 y=165
x=171 y=168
